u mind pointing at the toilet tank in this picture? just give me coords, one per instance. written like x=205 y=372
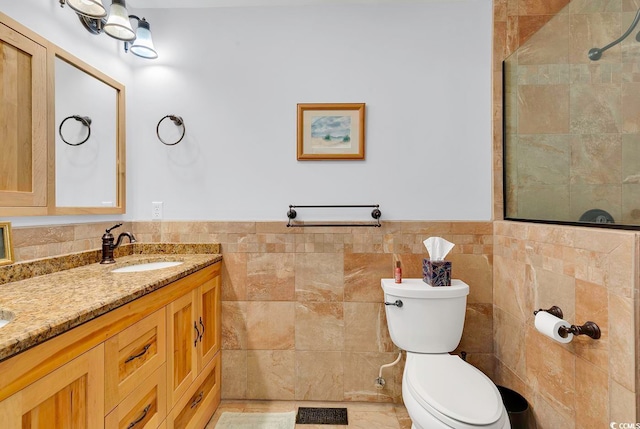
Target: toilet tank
x=430 y=319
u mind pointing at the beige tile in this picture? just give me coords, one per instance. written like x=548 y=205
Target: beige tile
x=509 y=348
x=549 y=45
x=234 y=374
x=319 y=326
x=592 y=388
x=360 y=373
x=270 y=374
x=234 y=325
x=270 y=325
x=543 y=159
x=270 y=277
x=596 y=109
x=631 y=107
x=365 y=328
x=543 y=109
x=603 y=197
x=621 y=341
x=592 y=303
x=478 y=329
x=622 y=404
x=550 y=369
x=510 y=293
x=477 y=272
x=234 y=277
x=553 y=289
x=362 y=274
x=319 y=376
x=591 y=30
x=548 y=416
x=596 y=159
x=368 y=420
x=319 y=276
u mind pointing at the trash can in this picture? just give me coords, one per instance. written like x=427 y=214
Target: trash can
x=517 y=408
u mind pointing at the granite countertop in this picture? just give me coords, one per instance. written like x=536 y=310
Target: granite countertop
x=48 y=305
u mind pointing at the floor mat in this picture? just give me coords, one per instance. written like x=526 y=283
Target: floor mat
x=256 y=421
x=322 y=416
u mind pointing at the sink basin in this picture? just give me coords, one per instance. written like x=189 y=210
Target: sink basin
x=5 y=317
x=148 y=266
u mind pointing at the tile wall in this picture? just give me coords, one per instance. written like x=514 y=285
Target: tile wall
x=590 y=274
x=302 y=309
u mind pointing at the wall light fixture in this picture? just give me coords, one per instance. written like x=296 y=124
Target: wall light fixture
x=117 y=24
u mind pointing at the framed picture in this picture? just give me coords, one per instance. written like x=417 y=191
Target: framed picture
x=330 y=131
x=6 y=249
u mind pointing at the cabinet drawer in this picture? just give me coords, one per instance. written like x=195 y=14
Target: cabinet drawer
x=133 y=355
x=145 y=407
x=198 y=404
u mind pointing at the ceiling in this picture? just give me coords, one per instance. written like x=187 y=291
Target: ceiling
x=154 y=4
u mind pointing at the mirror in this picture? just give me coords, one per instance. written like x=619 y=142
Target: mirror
x=572 y=128
x=89 y=139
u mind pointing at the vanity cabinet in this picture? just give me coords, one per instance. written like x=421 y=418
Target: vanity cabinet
x=121 y=369
x=23 y=113
x=194 y=335
x=72 y=396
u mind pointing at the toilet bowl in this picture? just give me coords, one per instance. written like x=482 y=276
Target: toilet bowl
x=439 y=390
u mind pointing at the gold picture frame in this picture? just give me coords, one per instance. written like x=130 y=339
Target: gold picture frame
x=6 y=246
x=331 y=131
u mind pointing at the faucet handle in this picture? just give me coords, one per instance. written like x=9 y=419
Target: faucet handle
x=113 y=227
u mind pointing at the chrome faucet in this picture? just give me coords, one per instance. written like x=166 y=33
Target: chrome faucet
x=108 y=246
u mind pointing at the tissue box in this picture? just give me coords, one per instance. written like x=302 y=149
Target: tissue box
x=436 y=273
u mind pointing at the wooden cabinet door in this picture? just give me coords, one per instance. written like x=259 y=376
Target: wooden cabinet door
x=133 y=355
x=71 y=397
x=183 y=334
x=197 y=405
x=23 y=109
x=209 y=307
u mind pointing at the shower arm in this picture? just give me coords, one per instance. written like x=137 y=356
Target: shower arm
x=596 y=53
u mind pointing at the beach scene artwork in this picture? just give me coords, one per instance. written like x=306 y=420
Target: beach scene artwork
x=331 y=132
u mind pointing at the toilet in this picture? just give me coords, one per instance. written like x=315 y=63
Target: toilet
x=439 y=390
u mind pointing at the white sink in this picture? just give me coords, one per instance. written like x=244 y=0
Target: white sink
x=147 y=267
x=5 y=317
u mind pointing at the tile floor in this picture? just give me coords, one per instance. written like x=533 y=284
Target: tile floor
x=362 y=415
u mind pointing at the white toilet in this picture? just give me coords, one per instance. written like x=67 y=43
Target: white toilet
x=439 y=390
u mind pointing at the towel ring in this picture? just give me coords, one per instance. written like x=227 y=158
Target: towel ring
x=176 y=120
x=86 y=121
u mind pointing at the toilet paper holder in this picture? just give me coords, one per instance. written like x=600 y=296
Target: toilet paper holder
x=590 y=329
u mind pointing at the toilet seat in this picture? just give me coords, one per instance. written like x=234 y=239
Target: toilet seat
x=453 y=391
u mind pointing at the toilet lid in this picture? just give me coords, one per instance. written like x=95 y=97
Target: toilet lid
x=453 y=388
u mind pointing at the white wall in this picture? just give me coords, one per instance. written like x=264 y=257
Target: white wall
x=236 y=74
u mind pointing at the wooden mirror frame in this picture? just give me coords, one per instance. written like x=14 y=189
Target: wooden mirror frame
x=120 y=204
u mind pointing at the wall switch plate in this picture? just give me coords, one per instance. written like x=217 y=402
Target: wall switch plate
x=156 y=210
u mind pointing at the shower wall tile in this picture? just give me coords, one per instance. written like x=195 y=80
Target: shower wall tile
x=631 y=203
x=594 y=6
x=596 y=109
x=596 y=159
x=603 y=197
x=541 y=7
x=543 y=109
x=631 y=107
x=542 y=201
x=543 y=159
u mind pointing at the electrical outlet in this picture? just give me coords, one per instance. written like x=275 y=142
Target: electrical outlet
x=156 y=210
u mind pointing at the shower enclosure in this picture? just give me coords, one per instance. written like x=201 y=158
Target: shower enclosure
x=572 y=118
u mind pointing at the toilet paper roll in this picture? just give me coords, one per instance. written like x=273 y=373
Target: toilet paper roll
x=549 y=324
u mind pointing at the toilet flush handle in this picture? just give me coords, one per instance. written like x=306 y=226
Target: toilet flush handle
x=398 y=303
